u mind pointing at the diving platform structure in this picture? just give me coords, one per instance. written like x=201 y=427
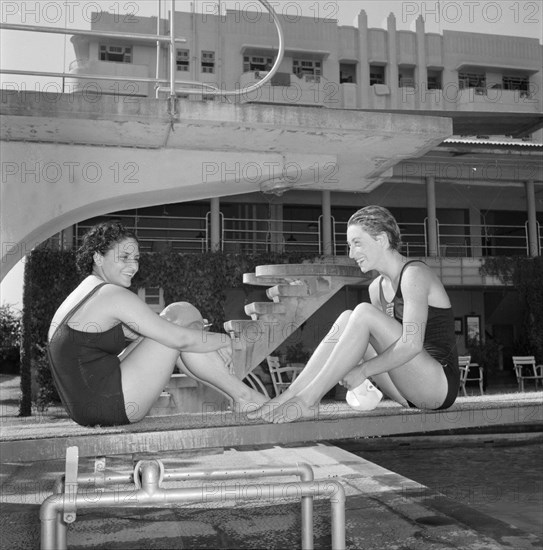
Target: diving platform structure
x=46 y=438
x=71 y=157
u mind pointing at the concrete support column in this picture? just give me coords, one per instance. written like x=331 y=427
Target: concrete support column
x=277 y=227
x=327 y=248
x=67 y=238
x=421 y=72
x=476 y=240
x=392 y=66
x=363 y=70
x=215 y=230
x=533 y=234
x=431 y=215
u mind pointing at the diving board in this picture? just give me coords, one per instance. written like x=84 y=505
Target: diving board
x=25 y=439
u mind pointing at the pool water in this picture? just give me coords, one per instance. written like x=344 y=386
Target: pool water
x=501 y=479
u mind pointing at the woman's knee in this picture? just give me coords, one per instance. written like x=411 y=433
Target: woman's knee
x=363 y=311
x=181 y=313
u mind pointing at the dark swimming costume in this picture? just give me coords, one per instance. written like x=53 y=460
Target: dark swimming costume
x=439 y=338
x=87 y=372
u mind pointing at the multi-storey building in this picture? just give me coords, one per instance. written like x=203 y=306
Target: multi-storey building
x=475 y=195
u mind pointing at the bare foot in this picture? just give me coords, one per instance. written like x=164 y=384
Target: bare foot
x=292 y=410
x=248 y=403
x=266 y=411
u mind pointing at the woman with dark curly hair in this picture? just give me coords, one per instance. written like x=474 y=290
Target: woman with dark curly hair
x=403 y=340
x=101 y=381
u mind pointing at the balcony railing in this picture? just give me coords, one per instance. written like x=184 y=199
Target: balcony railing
x=247 y=235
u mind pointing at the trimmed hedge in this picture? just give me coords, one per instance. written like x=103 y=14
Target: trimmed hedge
x=50 y=275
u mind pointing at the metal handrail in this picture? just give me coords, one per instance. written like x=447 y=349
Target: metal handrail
x=198 y=87
x=413 y=235
x=83 y=32
x=252 y=87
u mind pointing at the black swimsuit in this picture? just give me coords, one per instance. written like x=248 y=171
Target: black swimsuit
x=439 y=338
x=87 y=372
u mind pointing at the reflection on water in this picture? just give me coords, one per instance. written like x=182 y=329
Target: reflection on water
x=503 y=481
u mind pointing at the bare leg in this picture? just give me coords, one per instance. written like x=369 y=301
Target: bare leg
x=421 y=380
x=146 y=367
x=316 y=362
x=209 y=368
x=384 y=382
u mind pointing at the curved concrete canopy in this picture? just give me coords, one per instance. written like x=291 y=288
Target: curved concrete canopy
x=67 y=158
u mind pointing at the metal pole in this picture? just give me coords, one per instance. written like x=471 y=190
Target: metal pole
x=338 y=516
x=431 y=213
x=158 y=51
x=84 y=32
x=172 y=50
x=533 y=237
x=326 y=223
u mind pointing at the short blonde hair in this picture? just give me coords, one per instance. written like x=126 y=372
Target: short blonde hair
x=377 y=219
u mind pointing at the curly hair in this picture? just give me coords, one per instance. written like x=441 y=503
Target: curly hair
x=100 y=238
x=376 y=219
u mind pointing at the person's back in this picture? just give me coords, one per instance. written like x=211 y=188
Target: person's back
x=85 y=368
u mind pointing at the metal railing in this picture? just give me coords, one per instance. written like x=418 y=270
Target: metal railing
x=246 y=235
x=169 y=83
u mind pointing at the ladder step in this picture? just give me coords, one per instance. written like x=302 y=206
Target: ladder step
x=264 y=308
x=297 y=271
x=293 y=290
x=252 y=279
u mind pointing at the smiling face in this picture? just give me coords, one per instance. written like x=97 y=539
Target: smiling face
x=364 y=249
x=119 y=264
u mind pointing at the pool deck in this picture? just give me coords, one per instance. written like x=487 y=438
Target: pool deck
x=383 y=509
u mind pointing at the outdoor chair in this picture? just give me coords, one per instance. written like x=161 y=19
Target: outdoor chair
x=282 y=376
x=526 y=369
x=254 y=381
x=465 y=364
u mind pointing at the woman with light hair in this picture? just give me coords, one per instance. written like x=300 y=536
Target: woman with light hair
x=403 y=340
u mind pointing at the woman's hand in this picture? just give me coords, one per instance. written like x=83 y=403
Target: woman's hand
x=353 y=378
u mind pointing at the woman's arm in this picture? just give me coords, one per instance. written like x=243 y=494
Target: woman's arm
x=416 y=283
x=124 y=306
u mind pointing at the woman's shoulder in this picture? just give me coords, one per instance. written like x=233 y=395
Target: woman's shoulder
x=418 y=273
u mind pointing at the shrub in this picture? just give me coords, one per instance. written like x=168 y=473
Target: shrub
x=10 y=336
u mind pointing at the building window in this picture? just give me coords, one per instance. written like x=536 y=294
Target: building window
x=472 y=80
x=406 y=77
x=208 y=62
x=153 y=297
x=377 y=74
x=307 y=67
x=119 y=54
x=347 y=73
x=434 y=80
x=182 y=60
x=517 y=83
x=256 y=63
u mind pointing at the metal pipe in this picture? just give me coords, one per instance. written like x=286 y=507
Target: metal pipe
x=267 y=78
x=173 y=54
x=158 y=51
x=83 y=32
x=150 y=476
x=105 y=77
x=165 y=497
x=151 y=472
x=338 y=515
